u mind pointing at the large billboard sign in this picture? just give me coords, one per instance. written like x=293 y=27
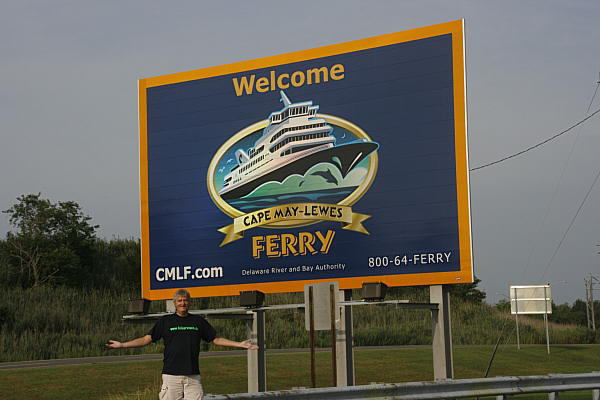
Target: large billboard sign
x=342 y=163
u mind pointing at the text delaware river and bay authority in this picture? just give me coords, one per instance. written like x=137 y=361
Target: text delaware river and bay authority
x=298 y=268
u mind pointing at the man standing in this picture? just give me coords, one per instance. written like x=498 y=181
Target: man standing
x=182 y=333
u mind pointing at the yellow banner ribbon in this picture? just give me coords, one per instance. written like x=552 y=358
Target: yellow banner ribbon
x=294 y=212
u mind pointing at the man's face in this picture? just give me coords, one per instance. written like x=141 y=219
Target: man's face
x=182 y=304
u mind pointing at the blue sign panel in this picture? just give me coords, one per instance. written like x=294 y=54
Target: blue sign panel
x=345 y=163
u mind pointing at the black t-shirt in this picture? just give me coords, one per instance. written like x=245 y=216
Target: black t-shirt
x=182 y=337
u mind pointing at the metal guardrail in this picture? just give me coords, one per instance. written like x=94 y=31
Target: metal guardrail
x=448 y=389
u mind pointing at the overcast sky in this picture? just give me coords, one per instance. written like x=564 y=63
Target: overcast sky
x=68 y=107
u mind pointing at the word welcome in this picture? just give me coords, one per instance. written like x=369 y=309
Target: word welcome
x=288 y=244
x=263 y=84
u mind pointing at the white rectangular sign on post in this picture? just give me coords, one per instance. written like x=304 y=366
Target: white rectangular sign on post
x=533 y=299
x=321 y=305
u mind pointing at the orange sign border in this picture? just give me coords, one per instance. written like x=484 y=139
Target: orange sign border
x=464 y=275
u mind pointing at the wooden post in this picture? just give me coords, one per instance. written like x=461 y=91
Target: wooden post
x=311 y=310
x=332 y=294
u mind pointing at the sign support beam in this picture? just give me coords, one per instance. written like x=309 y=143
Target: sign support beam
x=344 y=353
x=443 y=365
x=257 y=366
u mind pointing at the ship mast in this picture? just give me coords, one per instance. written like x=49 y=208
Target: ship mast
x=284 y=99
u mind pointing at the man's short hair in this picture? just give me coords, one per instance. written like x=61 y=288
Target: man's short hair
x=181 y=293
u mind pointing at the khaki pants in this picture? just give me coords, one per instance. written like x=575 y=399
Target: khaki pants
x=178 y=387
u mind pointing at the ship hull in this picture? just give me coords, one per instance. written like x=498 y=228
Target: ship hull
x=345 y=157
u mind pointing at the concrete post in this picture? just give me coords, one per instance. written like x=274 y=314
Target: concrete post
x=169 y=306
x=257 y=367
x=345 y=356
x=443 y=366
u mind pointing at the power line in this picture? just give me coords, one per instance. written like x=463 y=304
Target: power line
x=537 y=145
x=571 y=223
x=558 y=183
x=584 y=199
x=550 y=204
x=594 y=96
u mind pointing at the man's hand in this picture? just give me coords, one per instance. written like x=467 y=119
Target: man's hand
x=247 y=344
x=139 y=342
x=113 y=344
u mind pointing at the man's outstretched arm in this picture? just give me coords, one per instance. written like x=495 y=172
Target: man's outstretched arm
x=139 y=342
x=246 y=344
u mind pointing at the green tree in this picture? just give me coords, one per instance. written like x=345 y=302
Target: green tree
x=503 y=305
x=117 y=265
x=468 y=291
x=52 y=243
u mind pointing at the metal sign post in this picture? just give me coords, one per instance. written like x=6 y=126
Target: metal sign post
x=517 y=320
x=546 y=319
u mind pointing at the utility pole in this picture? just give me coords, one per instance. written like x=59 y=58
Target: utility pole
x=587 y=303
x=591 y=284
x=592 y=302
x=590 y=291
x=593 y=281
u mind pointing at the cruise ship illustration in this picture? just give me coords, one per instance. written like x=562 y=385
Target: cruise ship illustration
x=294 y=140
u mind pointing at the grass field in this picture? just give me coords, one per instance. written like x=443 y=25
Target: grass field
x=48 y=323
x=227 y=374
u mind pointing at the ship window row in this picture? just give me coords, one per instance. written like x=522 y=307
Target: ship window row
x=277 y=118
x=253 y=152
x=299 y=148
x=251 y=163
x=295 y=128
x=295 y=111
x=297 y=138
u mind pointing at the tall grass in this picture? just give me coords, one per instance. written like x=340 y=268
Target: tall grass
x=46 y=323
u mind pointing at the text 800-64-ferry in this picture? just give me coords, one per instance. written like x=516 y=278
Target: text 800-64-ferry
x=294 y=140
